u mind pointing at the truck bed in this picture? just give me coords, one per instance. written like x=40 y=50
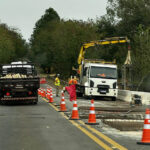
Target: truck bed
x=19 y=89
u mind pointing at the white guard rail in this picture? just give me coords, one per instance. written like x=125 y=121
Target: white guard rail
x=126 y=96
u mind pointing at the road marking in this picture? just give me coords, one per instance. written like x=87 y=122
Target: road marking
x=93 y=137
x=51 y=104
x=44 y=99
x=56 y=108
x=109 y=140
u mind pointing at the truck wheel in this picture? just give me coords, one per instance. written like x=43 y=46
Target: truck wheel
x=113 y=98
x=34 y=103
x=86 y=96
x=79 y=94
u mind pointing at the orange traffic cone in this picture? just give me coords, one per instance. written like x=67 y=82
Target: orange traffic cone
x=63 y=104
x=51 y=98
x=48 y=90
x=42 y=93
x=75 y=114
x=92 y=116
x=48 y=96
x=146 y=130
x=48 y=93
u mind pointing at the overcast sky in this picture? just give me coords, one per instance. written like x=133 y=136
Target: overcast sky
x=23 y=14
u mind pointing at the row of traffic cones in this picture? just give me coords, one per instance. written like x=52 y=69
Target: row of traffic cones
x=46 y=94
x=92 y=117
x=75 y=114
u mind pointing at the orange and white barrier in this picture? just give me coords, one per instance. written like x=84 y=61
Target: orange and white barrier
x=146 y=130
x=63 y=104
x=51 y=98
x=92 y=116
x=75 y=114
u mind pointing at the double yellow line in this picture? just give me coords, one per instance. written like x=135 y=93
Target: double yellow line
x=112 y=143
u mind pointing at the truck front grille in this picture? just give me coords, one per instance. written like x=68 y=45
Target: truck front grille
x=103 y=89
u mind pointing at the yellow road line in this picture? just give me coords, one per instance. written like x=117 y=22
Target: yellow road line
x=50 y=104
x=93 y=137
x=45 y=99
x=56 y=108
x=109 y=140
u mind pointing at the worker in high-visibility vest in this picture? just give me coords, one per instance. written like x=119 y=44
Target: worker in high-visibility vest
x=70 y=81
x=75 y=80
x=57 y=84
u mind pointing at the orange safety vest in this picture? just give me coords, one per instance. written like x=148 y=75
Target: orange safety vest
x=75 y=81
x=70 y=81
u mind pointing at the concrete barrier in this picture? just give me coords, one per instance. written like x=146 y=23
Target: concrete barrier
x=126 y=96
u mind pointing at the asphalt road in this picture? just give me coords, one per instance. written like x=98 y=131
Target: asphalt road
x=39 y=127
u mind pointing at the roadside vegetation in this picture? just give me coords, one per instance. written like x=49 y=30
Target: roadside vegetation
x=12 y=46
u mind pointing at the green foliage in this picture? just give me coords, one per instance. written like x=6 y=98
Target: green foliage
x=141 y=54
x=129 y=14
x=106 y=27
x=12 y=46
x=49 y=16
x=56 y=45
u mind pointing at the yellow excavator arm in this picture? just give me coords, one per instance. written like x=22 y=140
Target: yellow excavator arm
x=85 y=46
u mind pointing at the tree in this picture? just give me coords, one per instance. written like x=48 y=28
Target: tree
x=49 y=16
x=140 y=57
x=12 y=46
x=57 y=43
x=129 y=14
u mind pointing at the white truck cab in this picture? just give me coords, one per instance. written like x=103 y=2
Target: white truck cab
x=99 y=79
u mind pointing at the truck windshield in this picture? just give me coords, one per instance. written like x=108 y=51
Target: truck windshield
x=103 y=72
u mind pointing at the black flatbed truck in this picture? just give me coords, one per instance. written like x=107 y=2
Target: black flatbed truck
x=22 y=88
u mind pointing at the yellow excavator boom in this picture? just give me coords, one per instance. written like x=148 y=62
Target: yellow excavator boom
x=106 y=41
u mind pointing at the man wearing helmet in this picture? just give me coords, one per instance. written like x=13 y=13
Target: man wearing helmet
x=57 y=84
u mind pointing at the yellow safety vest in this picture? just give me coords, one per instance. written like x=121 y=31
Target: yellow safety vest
x=57 y=82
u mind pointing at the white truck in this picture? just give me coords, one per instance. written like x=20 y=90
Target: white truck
x=97 y=77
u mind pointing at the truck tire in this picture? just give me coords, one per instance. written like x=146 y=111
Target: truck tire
x=113 y=98
x=34 y=103
x=79 y=94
